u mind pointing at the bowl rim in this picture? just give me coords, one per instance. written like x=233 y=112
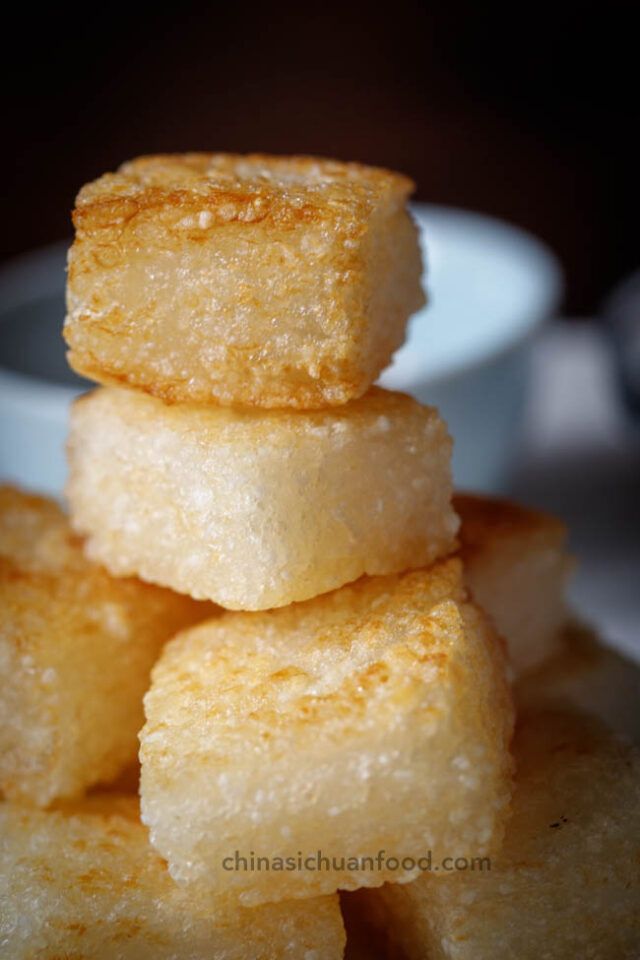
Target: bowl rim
x=550 y=286
x=18 y=277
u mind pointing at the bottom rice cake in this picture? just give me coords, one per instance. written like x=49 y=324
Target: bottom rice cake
x=83 y=882
x=566 y=884
x=76 y=650
x=329 y=744
x=591 y=677
x=516 y=566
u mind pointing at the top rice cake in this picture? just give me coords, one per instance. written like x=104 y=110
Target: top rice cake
x=250 y=280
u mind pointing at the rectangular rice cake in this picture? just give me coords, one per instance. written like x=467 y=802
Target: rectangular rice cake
x=274 y=281
x=516 y=566
x=84 y=883
x=374 y=718
x=256 y=509
x=566 y=883
x=76 y=650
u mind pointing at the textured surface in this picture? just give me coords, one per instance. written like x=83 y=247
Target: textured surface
x=84 y=884
x=255 y=280
x=373 y=718
x=516 y=566
x=76 y=649
x=591 y=677
x=567 y=882
x=256 y=509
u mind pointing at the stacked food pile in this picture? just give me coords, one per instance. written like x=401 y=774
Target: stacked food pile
x=346 y=722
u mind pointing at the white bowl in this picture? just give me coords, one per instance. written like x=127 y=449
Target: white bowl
x=36 y=386
x=490 y=286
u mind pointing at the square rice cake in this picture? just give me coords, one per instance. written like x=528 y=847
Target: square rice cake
x=516 y=566
x=566 y=883
x=256 y=509
x=353 y=732
x=84 y=883
x=76 y=650
x=269 y=281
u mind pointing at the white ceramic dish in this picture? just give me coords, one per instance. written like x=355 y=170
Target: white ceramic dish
x=490 y=286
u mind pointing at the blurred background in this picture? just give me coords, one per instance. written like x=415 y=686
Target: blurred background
x=527 y=114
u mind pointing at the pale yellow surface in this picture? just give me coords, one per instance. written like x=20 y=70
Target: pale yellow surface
x=76 y=649
x=590 y=676
x=84 y=884
x=373 y=718
x=566 y=884
x=516 y=566
x=256 y=509
x=276 y=281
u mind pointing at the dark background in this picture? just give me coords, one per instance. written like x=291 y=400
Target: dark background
x=528 y=113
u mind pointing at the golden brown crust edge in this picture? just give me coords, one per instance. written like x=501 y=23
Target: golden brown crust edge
x=486 y=519
x=234 y=188
x=171 y=203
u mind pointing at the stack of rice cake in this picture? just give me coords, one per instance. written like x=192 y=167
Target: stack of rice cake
x=353 y=698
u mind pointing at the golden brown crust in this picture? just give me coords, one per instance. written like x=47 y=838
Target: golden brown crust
x=82 y=882
x=70 y=637
x=381 y=712
x=487 y=520
x=235 y=188
x=311 y=395
x=241 y=280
